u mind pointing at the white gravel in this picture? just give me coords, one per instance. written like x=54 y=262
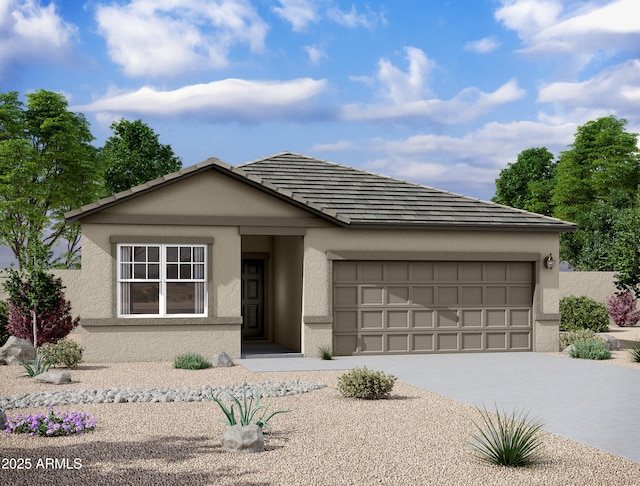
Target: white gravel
x=415 y=437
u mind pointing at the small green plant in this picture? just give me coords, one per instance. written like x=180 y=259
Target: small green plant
x=35 y=367
x=506 y=439
x=365 y=383
x=583 y=313
x=249 y=411
x=634 y=350
x=191 y=361
x=325 y=353
x=590 y=349
x=570 y=337
x=4 y=319
x=65 y=352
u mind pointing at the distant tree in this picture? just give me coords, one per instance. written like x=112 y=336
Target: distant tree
x=528 y=183
x=133 y=155
x=596 y=180
x=47 y=166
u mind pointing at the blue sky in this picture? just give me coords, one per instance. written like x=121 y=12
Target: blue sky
x=443 y=93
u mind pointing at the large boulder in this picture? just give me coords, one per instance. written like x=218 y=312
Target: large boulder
x=222 y=360
x=16 y=349
x=3 y=419
x=243 y=439
x=613 y=343
x=55 y=378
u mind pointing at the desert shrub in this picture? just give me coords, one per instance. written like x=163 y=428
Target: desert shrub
x=569 y=337
x=40 y=292
x=634 y=350
x=622 y=309
x=35 y=367
x=191 y=361
x=325 y=353
x=590 y=349
x=583 y=313
x=65 y=353
x=506 y=439
x=51 y=424
x=4 y=319
x=365 y=383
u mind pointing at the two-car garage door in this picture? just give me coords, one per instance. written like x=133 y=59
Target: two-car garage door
x=431 y=307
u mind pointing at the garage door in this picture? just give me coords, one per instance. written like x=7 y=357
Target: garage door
x=431 y=307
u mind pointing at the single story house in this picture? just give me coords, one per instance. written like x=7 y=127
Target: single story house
x=306 y=254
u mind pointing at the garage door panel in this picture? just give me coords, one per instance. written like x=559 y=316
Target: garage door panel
x=432 y=307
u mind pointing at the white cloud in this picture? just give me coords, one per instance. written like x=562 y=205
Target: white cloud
x=170 y=37
x=32 y=32
x=316 y=54
x=299 y=13
x=407 y=95
x=615 y=90
x=355 y=19
x=482 y=46
x=584 y=30
x=226 y=100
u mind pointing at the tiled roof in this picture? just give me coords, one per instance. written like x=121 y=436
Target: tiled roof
x=352 y=197
x=369 y=199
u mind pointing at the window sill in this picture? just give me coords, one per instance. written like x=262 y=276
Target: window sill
x=160 y=321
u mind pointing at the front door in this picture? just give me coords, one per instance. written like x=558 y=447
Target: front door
x=253 y=299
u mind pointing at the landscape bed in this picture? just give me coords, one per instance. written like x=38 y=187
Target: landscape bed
x=415 y=437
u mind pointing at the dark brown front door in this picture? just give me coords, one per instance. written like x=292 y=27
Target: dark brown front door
x=252 y=299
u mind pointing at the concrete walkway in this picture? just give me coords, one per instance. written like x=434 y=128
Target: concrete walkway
x=593 y=403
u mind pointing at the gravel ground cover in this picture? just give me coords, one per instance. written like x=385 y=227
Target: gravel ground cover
x=415 y=437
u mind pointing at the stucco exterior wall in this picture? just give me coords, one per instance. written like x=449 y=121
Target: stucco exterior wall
x=597 y=285
x=288 y=290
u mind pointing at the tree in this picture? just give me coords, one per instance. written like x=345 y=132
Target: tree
x=47 y=166
x=133 y=155
x=38 y=309
x=527 y=184
x=596 y=180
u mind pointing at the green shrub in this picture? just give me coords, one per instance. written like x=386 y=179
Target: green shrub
x=325 y=353
x=35 y=367
x=634 y=350
x=65 y=352
x=4 y=319
x=570 y=337
x=365 y=383
x=506 y=440
x=191 y=361
x=590 y=349
x=583 y=313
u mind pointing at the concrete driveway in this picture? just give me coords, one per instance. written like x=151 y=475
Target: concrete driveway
x=593 y=403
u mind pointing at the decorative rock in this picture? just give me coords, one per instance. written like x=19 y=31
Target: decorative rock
x=222 y=360
x=243 y=439
x=59 y=378
x=3 y=419
x=612 y=342
x=16 y=349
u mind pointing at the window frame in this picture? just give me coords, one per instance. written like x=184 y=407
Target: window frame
x=162 y=279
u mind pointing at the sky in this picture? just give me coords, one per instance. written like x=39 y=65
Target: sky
x=442 y=93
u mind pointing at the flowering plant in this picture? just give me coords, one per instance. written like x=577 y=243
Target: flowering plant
x=51 y=424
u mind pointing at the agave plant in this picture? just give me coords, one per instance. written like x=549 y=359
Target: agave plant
x=249 y=411
x=635 y=350
x=41 y=364
x=506 y=439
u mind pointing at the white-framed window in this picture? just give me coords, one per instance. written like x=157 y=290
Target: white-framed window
x=162 y=280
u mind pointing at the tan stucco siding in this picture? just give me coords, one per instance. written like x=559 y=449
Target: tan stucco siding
x=208 y=194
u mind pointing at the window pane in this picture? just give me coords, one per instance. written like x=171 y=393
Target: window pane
x=172 y=253
x=125 y=270
x=125 y=253
x=185 y=272
x=140 y=254
x=154 y=253
x=140 y=271
x=144 y=298
x=185 y=253
x=172 y=271
x=198 y=271
x=198 y=254
x=154 y=271
x=185 y=298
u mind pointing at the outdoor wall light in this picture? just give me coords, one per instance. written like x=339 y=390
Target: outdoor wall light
x=549 y=262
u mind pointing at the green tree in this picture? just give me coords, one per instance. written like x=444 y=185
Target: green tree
x=134 y=155
x=47 y=166
x=528 y=183
x=596 y=180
